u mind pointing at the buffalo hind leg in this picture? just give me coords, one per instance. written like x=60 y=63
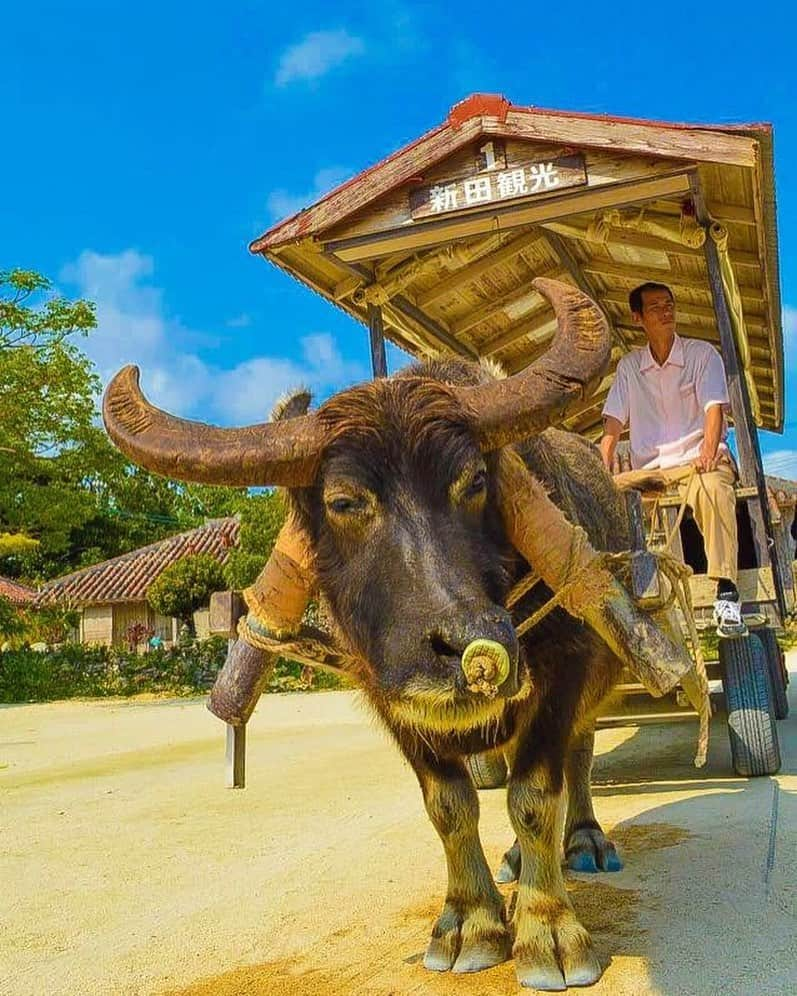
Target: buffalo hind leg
x=471 y=933
x=587 y=848
x=552 y=949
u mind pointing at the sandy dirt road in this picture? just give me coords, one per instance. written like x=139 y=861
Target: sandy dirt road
x=126 y=867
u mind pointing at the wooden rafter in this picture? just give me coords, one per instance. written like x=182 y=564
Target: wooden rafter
x=734 y=214
x=626 y=237
x=447 y=256
x=603 y=268
x=435 y=329
x=566 y=258
x=473 y=271
x=526 y=327
x=485 y=311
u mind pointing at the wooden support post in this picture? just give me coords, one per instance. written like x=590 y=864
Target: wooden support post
x=376 y=329
x=751 y=469
x=235 y=758
x=670 y=517
x=784 y=552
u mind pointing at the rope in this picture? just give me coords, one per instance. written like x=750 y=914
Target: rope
x=695 y=684
x=312 y=646
x=681 y=509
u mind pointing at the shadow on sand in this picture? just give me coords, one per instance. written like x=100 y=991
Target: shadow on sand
x=705 y=904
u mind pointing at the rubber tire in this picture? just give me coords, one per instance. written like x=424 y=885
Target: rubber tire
x=776 y=660
x=751 y=714
x=488 y=771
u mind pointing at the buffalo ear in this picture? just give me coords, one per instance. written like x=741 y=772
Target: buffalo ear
x=292 y=405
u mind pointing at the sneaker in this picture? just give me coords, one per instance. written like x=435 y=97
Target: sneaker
x=728 y=618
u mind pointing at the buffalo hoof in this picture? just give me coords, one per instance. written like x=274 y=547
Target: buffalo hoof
x=552 y=950
x=589 y=850
x=468 y=941
x=510 y=866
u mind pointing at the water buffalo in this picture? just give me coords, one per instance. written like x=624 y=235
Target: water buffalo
x=394 y=482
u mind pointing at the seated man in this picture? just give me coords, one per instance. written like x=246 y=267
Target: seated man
x=674 y=394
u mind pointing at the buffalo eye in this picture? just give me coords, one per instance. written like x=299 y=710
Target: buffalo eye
x=477 y=485
x=346 y=506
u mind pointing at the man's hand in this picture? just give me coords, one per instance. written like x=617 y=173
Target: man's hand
x=708 y=457
x=706 y=460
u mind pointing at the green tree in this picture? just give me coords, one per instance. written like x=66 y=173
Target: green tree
x=27 y=320
x=62 y=483
x=47 y=389
x=262 y=517
x=134 y=508
x=16 y=545
x=186 y=586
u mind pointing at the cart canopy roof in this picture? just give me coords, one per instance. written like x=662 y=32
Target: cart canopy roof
x=446 y=234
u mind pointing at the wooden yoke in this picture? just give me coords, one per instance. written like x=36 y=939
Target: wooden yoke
x=277 y=601
x=561 y=553
x=282 y=590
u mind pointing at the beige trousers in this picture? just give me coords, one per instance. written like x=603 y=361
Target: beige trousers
x=713 y=502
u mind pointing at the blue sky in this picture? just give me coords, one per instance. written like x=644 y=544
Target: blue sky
x=148 y=143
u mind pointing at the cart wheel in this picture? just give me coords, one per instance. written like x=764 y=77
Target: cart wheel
x=776 y=661
x=751 y=714
x=488 y=770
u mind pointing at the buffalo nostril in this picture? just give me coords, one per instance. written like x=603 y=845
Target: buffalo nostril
x=441 y=647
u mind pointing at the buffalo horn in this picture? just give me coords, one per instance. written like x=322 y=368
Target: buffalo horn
x=283 y=453
x=506 y=411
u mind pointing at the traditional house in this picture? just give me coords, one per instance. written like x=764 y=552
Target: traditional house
x=112 y=596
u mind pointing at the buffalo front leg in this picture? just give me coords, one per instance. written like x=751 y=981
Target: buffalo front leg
x=471 y=933
x=587 y=848
x=552 y=950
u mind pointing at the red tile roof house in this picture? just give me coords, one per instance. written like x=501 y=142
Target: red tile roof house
x=16 y=593
x=111 y=596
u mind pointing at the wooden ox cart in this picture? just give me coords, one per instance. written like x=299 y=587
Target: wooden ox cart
x=435 y=248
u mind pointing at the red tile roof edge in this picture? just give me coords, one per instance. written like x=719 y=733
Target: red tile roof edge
x=127 y=577
x=16 y=593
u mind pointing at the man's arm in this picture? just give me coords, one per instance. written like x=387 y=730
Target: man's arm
x=612 y=428
x=712 y=396
x=712 y=434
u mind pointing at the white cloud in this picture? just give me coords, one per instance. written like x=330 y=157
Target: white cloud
x=282 y=203
x=241 y=321
x=781 y=463
x=316 y=54
x=248 y=392
x=133 y=327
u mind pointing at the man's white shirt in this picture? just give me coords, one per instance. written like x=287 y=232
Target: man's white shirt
x=666 y=404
